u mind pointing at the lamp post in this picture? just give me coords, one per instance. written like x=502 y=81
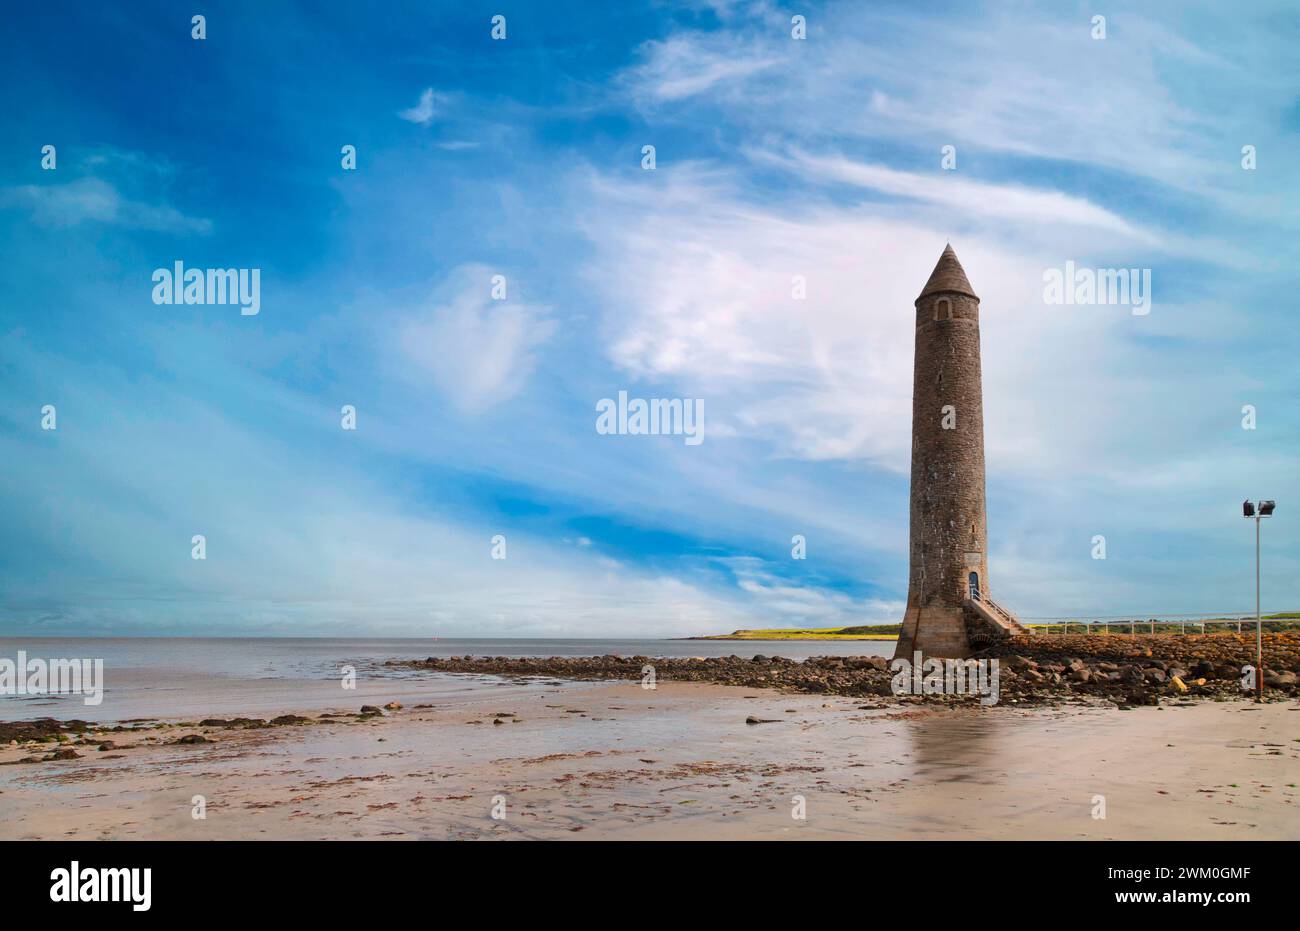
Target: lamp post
x=1248 y=510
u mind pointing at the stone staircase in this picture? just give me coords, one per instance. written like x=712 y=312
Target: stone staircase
x=987 y=621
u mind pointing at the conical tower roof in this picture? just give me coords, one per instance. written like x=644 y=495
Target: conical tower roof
x=948 y=275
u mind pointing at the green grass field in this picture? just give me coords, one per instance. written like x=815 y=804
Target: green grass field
x=876 y=632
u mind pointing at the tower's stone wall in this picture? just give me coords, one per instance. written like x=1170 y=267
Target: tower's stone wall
x=948 y=524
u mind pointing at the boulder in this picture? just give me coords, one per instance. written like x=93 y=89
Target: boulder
x=284 y=719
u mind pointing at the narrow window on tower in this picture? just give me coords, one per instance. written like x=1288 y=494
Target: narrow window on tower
x=943 y=309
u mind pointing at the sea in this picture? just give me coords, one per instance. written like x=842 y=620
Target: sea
x=185 y=677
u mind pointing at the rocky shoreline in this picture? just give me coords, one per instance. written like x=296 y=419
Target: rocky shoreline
x=1034 y=669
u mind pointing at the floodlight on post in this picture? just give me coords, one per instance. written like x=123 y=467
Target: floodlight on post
x=1265 y=509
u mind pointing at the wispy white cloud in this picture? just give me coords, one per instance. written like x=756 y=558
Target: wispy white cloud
x=478 y=351
x=1152 y=100
x=808 y=606
x=954 y=192
x=423 y=112
x=684 y=66
x=93 y=200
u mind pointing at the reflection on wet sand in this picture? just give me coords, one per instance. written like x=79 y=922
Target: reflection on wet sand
x=613 y=760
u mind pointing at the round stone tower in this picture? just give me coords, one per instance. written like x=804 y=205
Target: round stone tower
x=949 y=577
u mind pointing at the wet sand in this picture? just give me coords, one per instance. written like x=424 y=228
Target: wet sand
x=613 y=760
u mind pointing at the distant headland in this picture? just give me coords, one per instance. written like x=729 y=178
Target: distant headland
x=872 y=632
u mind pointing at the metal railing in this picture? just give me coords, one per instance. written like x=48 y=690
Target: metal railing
x=1169 y=624
x=996 y=608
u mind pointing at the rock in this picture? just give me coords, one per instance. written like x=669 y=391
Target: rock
x=394 y=706
x=753 y=720
x=194 y=739
x=371 y=709
x=46 y=729
x=107 y=745
x=1276 y=679
x=1131 y=674
x=232 y=722
x=1177 y=682
x=67 y=753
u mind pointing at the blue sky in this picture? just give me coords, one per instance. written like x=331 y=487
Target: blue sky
x=475 y=417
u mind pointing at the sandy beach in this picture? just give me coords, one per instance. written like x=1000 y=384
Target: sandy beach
x=614 y=760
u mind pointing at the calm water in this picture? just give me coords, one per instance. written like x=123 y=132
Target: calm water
x=181 y=677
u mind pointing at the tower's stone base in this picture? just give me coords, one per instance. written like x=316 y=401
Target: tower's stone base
x=952 y=632
x=936 y=630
